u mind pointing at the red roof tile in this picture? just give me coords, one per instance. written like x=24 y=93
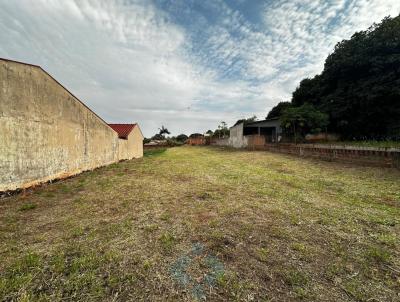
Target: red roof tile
x=123 y=130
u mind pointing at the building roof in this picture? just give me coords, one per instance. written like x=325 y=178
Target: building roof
x=123 y=130
x=256 y=123
x=271 y=122
x=263 y=121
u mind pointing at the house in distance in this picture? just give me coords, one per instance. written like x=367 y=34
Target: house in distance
x=255 y=133
x=131 y=140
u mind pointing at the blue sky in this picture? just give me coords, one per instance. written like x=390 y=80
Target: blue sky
x=185 y=64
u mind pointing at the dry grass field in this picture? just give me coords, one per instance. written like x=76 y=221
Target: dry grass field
x=195 y=223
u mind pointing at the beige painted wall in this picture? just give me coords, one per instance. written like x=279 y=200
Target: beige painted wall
x=236 y=137
x=133 y=146
x=45 y=132
x=136 y=142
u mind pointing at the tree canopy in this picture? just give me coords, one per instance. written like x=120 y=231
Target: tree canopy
x=222 y=130
x=303 y=119
x=278 y=109
x=163 y=130
x=182 y=138
x=359 y=87
x=161 y=134
x=246 y=120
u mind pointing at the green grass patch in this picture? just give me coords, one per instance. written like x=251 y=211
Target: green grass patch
x=193 y=223
x=154 y=152
x=27 y=207
x=167 y=241
x=378 y=254
x=295 y=277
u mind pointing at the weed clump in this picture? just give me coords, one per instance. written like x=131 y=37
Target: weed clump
x=27 y=207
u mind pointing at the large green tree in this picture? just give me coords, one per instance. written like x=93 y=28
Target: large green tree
x=359 y=87
x=182 y=138
x=222 y=130
x=304 y=119
x=278 y=109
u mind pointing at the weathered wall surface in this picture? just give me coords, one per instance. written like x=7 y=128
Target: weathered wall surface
x=247 y=141
x=255 y=141
x=136 y=143
x=221 y=142
x=133 y=146
x=45 y=132
x=236 y=138
x=122 y=148
x=195 y=141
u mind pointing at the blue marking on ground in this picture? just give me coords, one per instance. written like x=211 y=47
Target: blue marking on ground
x=179 y=271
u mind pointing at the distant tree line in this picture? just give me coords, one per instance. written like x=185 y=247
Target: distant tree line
x=221 y=132
x=168 y=141
x=357 y=95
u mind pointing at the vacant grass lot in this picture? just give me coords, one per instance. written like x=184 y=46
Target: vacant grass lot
x=196 y=223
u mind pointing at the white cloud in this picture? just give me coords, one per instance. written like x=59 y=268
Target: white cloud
x=116 y=58
x=296 y=38
x=305 y=32
x=129 y=62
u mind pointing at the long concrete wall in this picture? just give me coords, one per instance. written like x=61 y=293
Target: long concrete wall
x=221 y=142
x=382 y=157
x=45 y=131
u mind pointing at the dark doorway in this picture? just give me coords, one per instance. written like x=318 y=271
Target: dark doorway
x=268 y=132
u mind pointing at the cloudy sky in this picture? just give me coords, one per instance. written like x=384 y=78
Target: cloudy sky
x=185 y=64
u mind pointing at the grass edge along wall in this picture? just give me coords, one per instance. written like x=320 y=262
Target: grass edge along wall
x=46 y=132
